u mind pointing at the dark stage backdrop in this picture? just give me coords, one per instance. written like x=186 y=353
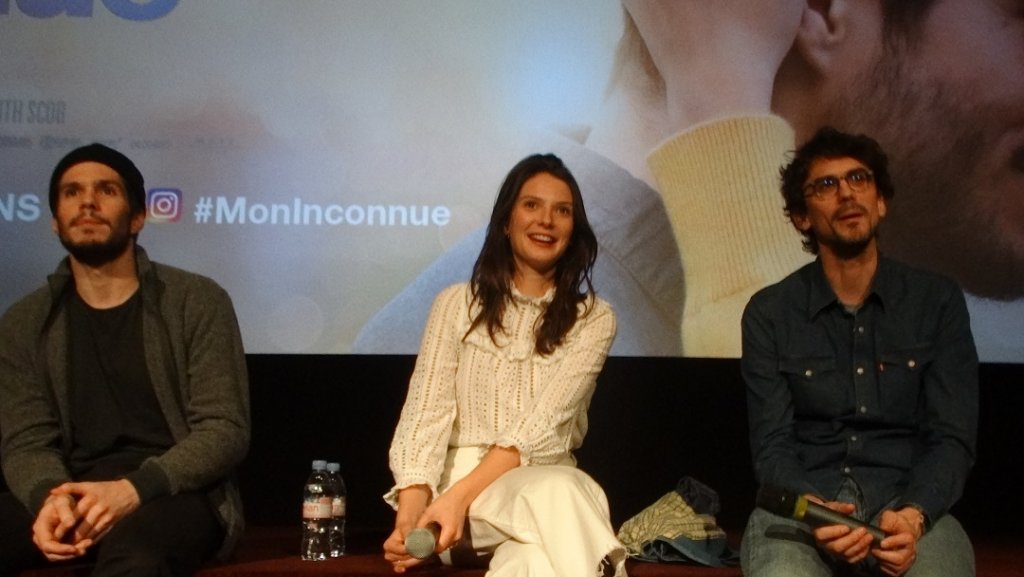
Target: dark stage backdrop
x=653 y=421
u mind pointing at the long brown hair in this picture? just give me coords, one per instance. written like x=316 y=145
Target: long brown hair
x=493 y=272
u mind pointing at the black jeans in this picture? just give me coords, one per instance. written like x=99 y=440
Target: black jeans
x=168 y=537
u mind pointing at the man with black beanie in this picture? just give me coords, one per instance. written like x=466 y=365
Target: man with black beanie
x=124 y=404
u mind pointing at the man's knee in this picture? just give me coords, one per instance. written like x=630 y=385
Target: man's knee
x=944 y=550
x=169 y=536
x=125 y=563
x=777 y=547
x=17 y=551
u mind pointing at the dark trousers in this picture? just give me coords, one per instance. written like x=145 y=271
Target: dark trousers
x=168 y=537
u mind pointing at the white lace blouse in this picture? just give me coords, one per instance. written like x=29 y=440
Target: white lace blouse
x=472 y=393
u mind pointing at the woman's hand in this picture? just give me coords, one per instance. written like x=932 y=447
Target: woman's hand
x=450 y=509
x=449 y=512
x=412 y=502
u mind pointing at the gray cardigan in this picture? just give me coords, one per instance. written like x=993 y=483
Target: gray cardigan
x=196 y=362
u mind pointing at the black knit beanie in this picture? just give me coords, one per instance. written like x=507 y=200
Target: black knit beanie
x=133 y=184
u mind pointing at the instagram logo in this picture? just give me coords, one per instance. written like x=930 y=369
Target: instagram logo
x=164 y=204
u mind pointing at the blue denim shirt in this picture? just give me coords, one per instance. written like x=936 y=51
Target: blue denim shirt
x=886 y=395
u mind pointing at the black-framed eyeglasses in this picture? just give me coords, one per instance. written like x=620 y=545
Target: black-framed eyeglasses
x=827 y=186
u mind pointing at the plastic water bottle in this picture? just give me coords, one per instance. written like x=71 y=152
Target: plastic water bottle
x=337 y=531
x=317 y=503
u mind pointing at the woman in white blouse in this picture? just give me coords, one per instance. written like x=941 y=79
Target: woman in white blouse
x=498 y=400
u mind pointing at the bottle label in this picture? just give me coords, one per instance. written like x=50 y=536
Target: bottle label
x=338 y=507
x=317 y=508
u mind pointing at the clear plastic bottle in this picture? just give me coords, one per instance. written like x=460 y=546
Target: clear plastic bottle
x=337 y=531
x=317 y=503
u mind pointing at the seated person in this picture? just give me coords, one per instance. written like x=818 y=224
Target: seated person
x=124 y=399
x=499 y=396
x=862 y=385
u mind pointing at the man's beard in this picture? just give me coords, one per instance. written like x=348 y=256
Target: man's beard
x=850 y=248
x=98 y=253
x=851 y=245
x=936 y=140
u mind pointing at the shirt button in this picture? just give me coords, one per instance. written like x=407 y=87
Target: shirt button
x=853 y=438
x=863 y=409
x=860 y=370
x=846 y=470
x=860 y=330
x=808 y=373
x=911 y=363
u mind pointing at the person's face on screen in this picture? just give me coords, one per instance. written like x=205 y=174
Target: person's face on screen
x=949 y=109
x=844 y=217
x=540 y=226
x=93 y=219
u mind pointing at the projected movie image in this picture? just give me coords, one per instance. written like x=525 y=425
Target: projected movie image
x=333 y=164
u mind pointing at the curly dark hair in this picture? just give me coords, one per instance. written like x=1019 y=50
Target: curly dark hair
x=493 y=272
x=831 y=143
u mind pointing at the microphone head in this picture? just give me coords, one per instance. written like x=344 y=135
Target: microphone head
x=777 y=500
x=420 y=543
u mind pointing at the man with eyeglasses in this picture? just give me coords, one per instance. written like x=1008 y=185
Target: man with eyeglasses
x=861 y=377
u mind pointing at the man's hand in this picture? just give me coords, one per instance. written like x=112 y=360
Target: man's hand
x=850 y=545
x=99 y=506
x=53 y=529
x=897 y=552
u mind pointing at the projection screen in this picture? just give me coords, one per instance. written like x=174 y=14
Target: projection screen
x=333 y=163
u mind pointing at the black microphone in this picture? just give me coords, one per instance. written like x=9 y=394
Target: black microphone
x=420 y=542
x=788 y=504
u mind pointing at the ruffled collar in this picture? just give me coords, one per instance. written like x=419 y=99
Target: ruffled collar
x=541 y=301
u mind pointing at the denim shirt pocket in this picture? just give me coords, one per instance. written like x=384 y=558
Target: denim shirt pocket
x=815 y=387
x=899 y=378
